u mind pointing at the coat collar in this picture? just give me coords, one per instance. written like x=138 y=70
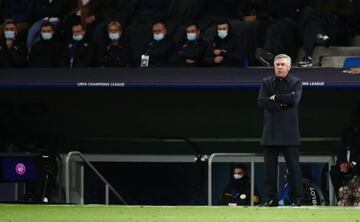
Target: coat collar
x=286 y=79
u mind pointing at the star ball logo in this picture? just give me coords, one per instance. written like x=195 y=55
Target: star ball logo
x=20 y=169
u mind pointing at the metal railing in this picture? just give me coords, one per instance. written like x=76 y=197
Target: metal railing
x=252 y=172
x=253 y=158
x=67 y=178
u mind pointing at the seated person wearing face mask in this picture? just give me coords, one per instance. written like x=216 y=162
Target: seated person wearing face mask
x=79 y=52
x=45 y=53
x=190 y=52
x=115 y=52
x=12 y=51
x=159 y=48
x=222 y=51
x=239 y=189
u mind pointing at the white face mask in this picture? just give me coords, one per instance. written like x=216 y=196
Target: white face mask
x=9 y=35
x=159 y=37
x=222 y=33
x=114 y=36
x=191 y=36
x=46 y=35
x=78 y=37
x=237 y=176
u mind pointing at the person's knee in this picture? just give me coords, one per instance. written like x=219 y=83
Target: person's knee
x=344 y=192
x=356 y=193
x=308 y=11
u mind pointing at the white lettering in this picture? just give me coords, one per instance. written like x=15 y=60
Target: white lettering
x=313 y=83
x=101 y=84
x=305 y=83
x=81 y=84
x=313 y=196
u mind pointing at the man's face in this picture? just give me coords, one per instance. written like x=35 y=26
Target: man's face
x=10 y=27
x=223 y=27
x=193 y=29
x=77 y=30
x=239 y=171
x=159 y=28
x=47 y=29
x=115 y=29
x=282 y=67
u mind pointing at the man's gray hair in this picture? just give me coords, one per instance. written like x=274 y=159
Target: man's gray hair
x=283 y=56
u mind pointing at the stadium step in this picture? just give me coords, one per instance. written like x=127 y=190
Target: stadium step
x=356 y=41
x=334 y=61
x=321 y=52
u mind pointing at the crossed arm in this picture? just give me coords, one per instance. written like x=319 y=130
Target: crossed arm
x=279 y=101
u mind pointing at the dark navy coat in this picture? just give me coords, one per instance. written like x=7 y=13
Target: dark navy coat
x=281 y=122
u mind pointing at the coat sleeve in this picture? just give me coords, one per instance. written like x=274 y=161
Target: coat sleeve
x=88 y=57
x=292 y=98
x=263 y=101
x=226 y=197
x=342 y=149
x=18 y=56
x=232 y=54
x=209 y=57
x=97 y=7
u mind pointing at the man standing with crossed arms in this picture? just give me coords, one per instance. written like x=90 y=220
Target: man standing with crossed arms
x=279 y=96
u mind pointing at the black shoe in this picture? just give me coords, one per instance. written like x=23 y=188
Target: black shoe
x=296 y=203
x=264 y=57
x=306 y=62
x=271 y=203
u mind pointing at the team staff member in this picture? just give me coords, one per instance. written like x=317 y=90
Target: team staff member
x=13 y=52
x=159 y=49
x=222 y=51
x=45 y=53
x=279 y=96
x=79 y=52
x=191 y=51
x=115 y=52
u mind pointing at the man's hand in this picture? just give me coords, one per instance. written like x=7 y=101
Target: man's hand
x=189 y=61
x=272 y=98
x=9 y=43
x=218 y=59
x=217 y=52
x=249 y=18
x=345 y=167
x=89 y=20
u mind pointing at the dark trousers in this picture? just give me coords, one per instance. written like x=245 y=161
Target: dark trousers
x=280 y=37
x=291 y=154
x=311 y=23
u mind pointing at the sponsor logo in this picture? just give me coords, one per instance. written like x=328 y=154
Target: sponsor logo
x=20 y=169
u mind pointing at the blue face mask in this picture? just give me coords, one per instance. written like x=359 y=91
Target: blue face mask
x=9 y=35
x=78 y=37
x=222 y=33
x=46 y=35
x=159 y=37
x=114 y=36
x=191 y=36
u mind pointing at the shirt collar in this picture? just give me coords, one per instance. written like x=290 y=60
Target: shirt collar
x=286 y=78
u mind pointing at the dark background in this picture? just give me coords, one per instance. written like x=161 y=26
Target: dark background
x=136 y=120
x=162 y=119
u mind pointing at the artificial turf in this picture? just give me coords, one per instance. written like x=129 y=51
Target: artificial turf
x=64 y=213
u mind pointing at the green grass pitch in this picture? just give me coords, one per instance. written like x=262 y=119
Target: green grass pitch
x=88 y=213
